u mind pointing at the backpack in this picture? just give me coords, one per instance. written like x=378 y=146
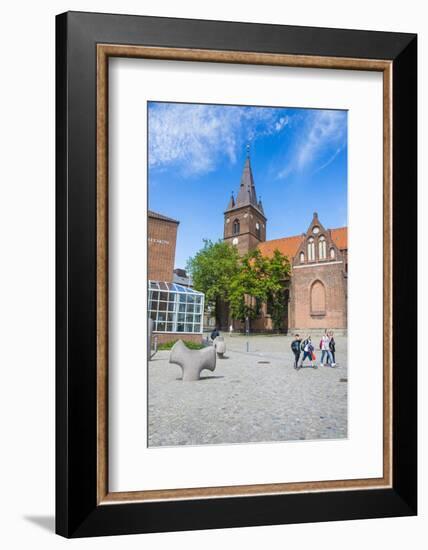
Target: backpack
x=303 y=344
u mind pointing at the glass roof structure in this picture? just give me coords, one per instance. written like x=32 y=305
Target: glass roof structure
x=175 y=308
x=172 y=287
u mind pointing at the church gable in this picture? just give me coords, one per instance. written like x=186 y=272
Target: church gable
x=317 y=245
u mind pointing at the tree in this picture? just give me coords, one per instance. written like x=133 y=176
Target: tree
x=248 y=286
x=279 y=272
x=212 y=269
x=258 y=280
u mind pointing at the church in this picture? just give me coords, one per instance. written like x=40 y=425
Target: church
x=316 y=293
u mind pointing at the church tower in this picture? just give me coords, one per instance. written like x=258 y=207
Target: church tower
x=244 y=218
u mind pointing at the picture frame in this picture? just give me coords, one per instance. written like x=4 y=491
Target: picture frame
x=84 y=44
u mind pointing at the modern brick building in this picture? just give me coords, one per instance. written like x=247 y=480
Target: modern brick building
x=161 y=241
x=316 y=293
x=175 y=310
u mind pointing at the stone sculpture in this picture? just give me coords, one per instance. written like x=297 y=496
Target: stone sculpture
x=192 y=362
x=220 y=346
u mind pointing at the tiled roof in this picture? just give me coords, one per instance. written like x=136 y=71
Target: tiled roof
x=287 y=246
x=290 y=245
x=340 y=237
x=158 y=216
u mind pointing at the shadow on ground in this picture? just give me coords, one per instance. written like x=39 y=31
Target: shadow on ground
x=45 y=522
x=203 y=378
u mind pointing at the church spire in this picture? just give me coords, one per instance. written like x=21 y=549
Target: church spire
x=244 y=220
x=247 y=190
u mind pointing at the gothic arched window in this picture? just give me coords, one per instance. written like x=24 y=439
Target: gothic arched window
x=318 y=298
x=332 y=253
x=322 y=248
x=311 y=250
x=302 y=257
x=236 y=227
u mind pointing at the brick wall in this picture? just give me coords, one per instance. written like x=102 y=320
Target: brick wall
x=164 y=337
x=306 y=313
x=162 y=237
x=248 y=238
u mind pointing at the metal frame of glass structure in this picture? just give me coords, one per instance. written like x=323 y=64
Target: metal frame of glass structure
x=175 y=308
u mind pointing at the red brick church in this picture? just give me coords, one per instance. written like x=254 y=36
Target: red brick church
x=316 y=293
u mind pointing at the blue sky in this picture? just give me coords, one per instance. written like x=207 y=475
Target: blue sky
x=197 y=153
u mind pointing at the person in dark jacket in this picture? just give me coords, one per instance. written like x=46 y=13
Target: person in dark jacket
x=295 y=348
x=332 y=346
x=214 y=334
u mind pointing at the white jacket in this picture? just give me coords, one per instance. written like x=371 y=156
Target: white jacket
x=325 y=343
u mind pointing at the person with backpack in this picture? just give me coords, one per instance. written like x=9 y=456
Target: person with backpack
x=295 y=348
x=308 y=351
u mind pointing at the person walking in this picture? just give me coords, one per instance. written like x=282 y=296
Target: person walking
x=332 y=347
x=295 y=348
x=214 y=334
x=325 y=350
x=308 y=352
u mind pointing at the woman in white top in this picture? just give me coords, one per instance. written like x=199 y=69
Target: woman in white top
x=325 y=350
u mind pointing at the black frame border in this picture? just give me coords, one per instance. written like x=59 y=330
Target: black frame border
x=77 y=512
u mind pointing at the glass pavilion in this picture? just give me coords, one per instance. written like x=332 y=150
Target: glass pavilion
x=175 y=308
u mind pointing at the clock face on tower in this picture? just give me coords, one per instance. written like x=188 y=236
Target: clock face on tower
x=235 y=240
x=316 y=230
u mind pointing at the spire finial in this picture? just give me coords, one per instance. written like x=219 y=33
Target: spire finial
x=248 y=150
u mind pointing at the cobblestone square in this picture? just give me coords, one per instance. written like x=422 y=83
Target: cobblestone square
x=252 y=396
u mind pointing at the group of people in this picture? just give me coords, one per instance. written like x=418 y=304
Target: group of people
x=327 y=347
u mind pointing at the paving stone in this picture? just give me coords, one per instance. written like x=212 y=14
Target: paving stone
x=243 y=401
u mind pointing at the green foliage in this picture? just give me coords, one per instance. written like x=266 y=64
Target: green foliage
x=259 y=279
x=277 y=308
x=190 y=345
x=279 y=271
x=248 y=286
x=246 y=283
x=212 y=269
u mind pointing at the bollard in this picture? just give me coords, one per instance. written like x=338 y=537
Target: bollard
x=248 y=347
x=220 y=346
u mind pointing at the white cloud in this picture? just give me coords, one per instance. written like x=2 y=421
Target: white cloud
x=195 y=137
x=322 y=137
x=329 y=160
x=282 y=122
